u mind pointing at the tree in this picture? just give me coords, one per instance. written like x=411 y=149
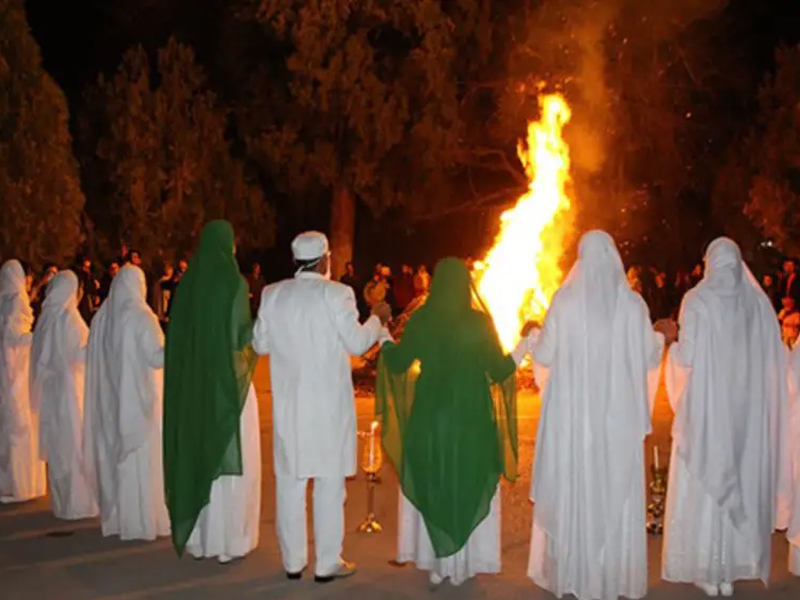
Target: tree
x=774 y=198
x=159 y=146
x=39 y=180
x=364 y=105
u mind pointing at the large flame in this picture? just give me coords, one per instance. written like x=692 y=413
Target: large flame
x=520 y=274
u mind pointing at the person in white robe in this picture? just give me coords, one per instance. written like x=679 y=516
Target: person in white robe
x=309 y=327
x=22 y=474
x=123 y=412
x=792 y=449
x=597 y=359
x=727 y=384
x=212 y=444
x=58 y=361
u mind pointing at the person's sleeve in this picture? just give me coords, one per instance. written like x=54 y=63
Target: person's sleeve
x=356 y=338
x=542 y=344
x=499 y=365
x=260 y=330
x=683 y=350
x=151 y=342
x=399 y=356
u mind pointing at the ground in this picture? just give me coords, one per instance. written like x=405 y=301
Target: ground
x=41 y=557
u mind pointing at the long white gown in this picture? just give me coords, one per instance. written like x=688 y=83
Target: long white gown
x=123 y=412
x=793 y=459
x=480 y=555
x=727 y=384
x=228 y=526
x=57 y=389
x=22 y=474
x=597 y=361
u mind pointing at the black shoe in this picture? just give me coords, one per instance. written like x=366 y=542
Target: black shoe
x=294 y=576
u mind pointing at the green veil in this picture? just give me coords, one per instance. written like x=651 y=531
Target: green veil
x=207 y=372
x=446 y=398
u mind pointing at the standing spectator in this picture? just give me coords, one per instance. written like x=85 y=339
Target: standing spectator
x=90 y=287
x=255 y=283
x=162 y=294
x=105 y=284
x=349 y=276
x=790 y=286
x=771 y=289
x=404 y=287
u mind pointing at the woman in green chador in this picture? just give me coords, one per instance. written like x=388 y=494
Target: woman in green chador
x=446 y=399
x=212 y=452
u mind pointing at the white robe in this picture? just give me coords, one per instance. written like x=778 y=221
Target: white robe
x=480 y=555
x=793 y=459
x=597 y=361
x=123 y=412
x=57 y=388
x=22 y=474
x=727 y=384
x=228 y=525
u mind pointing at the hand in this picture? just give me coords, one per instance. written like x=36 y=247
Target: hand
x=383 y=311
x=528 y=327
x=384 y=337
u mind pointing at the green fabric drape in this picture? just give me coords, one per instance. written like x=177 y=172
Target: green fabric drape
x=208 y=368
x=446 y=398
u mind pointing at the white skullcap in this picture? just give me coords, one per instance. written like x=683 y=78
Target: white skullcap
x=309 y=245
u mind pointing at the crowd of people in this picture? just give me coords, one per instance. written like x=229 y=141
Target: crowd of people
x=160 y=435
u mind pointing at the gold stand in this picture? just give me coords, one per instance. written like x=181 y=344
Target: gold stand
x=658 y=495
x=371 y=465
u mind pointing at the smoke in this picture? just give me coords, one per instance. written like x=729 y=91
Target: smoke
x=578 y=38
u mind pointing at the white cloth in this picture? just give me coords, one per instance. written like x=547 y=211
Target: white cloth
x=22 y=474
x=597 y=359
x=58 y=361
x=309 y=328
x=793 y=460
x=480 y=555
x=290 y=521
x=727 y=384
x=123 y=412
x=228 y=526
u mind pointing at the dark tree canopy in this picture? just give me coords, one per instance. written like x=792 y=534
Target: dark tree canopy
x=163 y=162
x=39 y=180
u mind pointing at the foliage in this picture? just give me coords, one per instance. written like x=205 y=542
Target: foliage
x=160 y=148
x=42 y=201
x=774 y=198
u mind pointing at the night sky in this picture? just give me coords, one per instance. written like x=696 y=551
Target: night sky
x=82 y=38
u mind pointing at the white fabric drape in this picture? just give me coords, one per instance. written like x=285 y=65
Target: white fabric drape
x=123 y=413
x=228 y=526
x=597 y=361
x=793 y=460
x=22 y=474
x=727 y=384
x=58 y=361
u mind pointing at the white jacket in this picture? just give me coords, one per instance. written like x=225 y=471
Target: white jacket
x=309 y=327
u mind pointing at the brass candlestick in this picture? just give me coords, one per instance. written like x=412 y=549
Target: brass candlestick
x=658 y=495
x=371 y=465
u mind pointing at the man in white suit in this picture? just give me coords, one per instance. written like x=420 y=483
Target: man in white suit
x=309 y=327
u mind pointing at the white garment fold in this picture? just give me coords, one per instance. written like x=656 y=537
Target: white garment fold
x=57 y=390
x=727 y=384
x=793 y=459
x=123 y=412
x=22 y=474
x=481 y=553
x=597 y=361
x=228 y=526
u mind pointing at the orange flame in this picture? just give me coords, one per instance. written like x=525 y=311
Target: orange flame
x=520 y=273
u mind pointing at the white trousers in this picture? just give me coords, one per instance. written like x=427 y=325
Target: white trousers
x=290 y=519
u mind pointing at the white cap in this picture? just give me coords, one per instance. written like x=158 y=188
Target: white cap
x=309 y=245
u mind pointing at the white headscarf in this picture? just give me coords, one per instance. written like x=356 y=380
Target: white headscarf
x=15 y=303
x=730 y=365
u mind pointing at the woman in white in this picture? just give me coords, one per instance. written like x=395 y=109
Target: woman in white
x=122 y=416
x=212 y=443
x=22 y=474
x=727 y=384
x=58 y=362
x=597 y=361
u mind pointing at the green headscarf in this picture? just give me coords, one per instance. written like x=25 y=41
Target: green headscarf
x=207 y=372
x=449 y=425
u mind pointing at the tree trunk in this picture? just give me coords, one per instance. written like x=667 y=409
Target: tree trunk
x=342 y=230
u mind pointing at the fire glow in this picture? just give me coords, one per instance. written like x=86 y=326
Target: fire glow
x=521 y=272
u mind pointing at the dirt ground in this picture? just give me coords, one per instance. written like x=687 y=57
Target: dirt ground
x=41 y=557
